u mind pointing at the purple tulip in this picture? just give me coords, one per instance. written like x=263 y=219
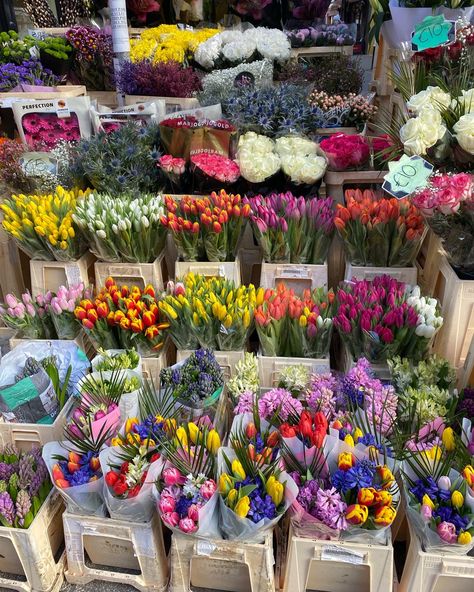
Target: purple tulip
x=261 y=225
x=75 y=431
x=283 y=225
x=78 y=414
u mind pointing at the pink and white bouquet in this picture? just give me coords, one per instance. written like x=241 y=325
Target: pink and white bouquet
x=29 y=316
x=346 y=151
x=214 y=170
x=448 y=206
x=62 y=307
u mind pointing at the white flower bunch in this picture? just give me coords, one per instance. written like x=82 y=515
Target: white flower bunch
x=207 y=53
x=429 y=320
x=301 y=159
x=431 y=98
x=257 y=158
x=272 y=44
x=422 y=132
x=122 y=228
x=464 y=132
x=466 y=100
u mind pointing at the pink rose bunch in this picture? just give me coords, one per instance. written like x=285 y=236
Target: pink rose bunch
x=445 y=194
x=169 y=164
x=345 y=151
x=216 y=166
x=182 y=498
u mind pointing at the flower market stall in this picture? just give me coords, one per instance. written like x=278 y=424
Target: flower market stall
x=236 y=297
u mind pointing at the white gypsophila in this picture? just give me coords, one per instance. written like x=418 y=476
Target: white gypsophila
x=422 y=132
x=433 y=97
x=464 y=132
x=257 y=158
x=238 y=51
x=272 y=44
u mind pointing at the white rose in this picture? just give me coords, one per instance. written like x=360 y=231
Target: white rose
x=420 y=133
x=433 y=97
x=464 y=132
x=466 y=100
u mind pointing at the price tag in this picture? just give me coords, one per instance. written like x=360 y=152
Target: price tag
x=62 y=109
x=333 y=553
x=433 y=31
x=406 y=176
x=35 y=164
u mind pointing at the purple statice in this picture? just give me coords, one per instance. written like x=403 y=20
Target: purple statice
x=245 y=403
x=163 y=79
x=7 y=509
x=321 y=395
x=279 y=401
x=23 y=506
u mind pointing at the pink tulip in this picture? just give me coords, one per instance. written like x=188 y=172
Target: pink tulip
x=62 y=303
x=447 y=532
x=112 y=407
x=78 y=414
x=19 y=310
x=426 y=512
x=30 y=309
x=11 y=301
x=170 y=519
x=71 y=305
x=40 y=300
x=208 y=488
x=11 y=312
x=187 y=525
x=26 y=297
x=166 y=504
x=171 y=476
x=193 y=512
x=99 y=414
x=55 y=307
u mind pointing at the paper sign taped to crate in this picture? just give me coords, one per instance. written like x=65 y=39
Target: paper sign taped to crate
x=204 y=548
x=333 y=553
x=294 y=272
x=406 y=176
x=433 y=31
x=35 y=164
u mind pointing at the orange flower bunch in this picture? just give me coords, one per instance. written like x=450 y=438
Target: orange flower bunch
x=124 y=317
x=379 y=231
x=206 y=227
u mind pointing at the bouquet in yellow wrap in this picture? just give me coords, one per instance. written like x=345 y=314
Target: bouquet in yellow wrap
x=43 y=225
x=211 y=312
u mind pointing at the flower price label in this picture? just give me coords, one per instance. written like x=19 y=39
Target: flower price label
x=35 y=164
x=406 y=176
x=433 y=31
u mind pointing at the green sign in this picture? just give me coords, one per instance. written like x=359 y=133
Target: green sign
x=433 y=31
x=406 y=176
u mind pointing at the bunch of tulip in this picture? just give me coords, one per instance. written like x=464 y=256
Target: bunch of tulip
x=309 y=429
x=206 y=227
x=30 y=317
x=91 y=418
x=126 y=479
x=294 y=326
x=382 y=318
x=379 y=231
x=124 y=227
x=214 y=311
x=76 y=469
x=124 y=316
x=292 y=229
x=43 y=225
x=62 y=308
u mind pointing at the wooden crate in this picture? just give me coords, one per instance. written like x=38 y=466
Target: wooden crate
x=172 y=104
x=435 y=572
x=11 y=277
x=456 y=296
x=379 y=369
x=227 y=360
x=110 y=543
x=229 y=270
x=428 y=262
x=409 y=275
x=49 y=275
x=26 y=436
x=82 y=340
x=32 y=553
x=250 y=265
x=294 y=276
x=227 y=565
x=151 y=367
x=270 y=368
x=133 y=274
x=317 y=51
x=338 y=566
x=108 y=98
x=66 y=90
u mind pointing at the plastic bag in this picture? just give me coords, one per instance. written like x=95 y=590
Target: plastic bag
x=30 y=400
x=135 y=509
x=234 y=527
x=84 y=499
x=67 y=354
x=114 y=352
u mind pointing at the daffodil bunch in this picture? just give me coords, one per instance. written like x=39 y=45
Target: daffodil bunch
x=43 y=225
x=217 y=313
x=122 y=228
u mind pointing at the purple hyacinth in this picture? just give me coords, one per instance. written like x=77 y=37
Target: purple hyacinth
x=6 y=471
x=35 y=484
x=25 y=471
x=7 y=508
x=23 y=506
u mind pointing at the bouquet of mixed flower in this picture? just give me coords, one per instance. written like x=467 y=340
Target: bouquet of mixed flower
x=292 y=229
x=346 y=151
x=448 y=207
x=383 y=318
x=124 y=316
x=210 y=225
x=122 y=228
x=321 y=35
x=29 y=316
x=42 y=225
x=210 y=311
x=378 y=231
x=25 y=485
x=306 y=322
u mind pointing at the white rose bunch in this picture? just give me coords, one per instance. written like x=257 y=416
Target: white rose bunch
x=431 y=98
x=429 y=320
x=122 y=228
x=422 y=132
x=466 y=100
x=257 y=158
x=464 y=132
x=300 y=159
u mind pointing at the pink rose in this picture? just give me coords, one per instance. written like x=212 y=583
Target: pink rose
x=448 y=200
x=166 y=504
x=172 y=476
x=208 y=489
x=193 y=512
x=170 y=519
x=187 y=525
x=426 y=512
x=447 y=532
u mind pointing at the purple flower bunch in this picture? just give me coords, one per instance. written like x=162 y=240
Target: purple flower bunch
x=62 y=308
x=465 y=407
x=29 y=72
x=322 y=394
x=24 y=485
x=275 y=400
x=321 y=35
x=324 y=504
x=164 y=79
x=93 y=56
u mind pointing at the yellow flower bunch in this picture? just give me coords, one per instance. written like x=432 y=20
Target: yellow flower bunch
x=168 y=43
x=216 y=312
x=43 y=224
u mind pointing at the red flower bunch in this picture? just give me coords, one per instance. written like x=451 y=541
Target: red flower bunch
x=127 y=480
x=311 y=430
x=345 y=151
x=216 y=166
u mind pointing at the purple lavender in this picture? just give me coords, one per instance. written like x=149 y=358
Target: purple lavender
x=7 y=509
x=23 y=506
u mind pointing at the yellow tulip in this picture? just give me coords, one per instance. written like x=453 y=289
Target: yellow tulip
x=427 y=501
x=457 y=499
x=448 y=439
x=213 y=442
x=193 y=432
x=246 y=319
x=227 y=321
x=131 y=421
x=238 y=470
x=275 y=490
x=232 y=497
x=357 y=434
x=182 y=436
x=225 y=484
x=242 y=507
x=303 y=321
x=464 y=538
x=349 y=440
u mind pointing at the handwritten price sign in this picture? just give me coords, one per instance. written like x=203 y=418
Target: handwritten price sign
x=433 y=31
x=406 y=176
